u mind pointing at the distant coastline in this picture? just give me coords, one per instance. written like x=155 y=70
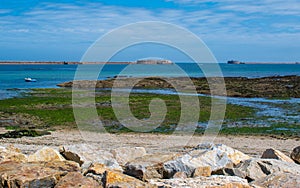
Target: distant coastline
x=148 y=61
x=235 y=62
x=126 y=62
x=57 y=62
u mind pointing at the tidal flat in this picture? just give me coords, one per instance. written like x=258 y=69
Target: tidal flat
x=51 y=109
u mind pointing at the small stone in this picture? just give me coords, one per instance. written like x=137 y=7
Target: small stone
x=180 y=175
x=45 y=154
x=202 y=171
x=295 y=155
x=275 y=154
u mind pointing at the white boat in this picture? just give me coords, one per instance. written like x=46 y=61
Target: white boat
x=30 y=80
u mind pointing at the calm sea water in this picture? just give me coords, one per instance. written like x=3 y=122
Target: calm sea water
x=12 y=76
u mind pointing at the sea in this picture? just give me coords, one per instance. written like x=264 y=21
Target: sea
x=48 y=76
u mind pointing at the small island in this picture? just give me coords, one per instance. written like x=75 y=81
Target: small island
x=154 y=61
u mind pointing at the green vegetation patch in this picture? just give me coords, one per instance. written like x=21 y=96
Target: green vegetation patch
x=54 y=108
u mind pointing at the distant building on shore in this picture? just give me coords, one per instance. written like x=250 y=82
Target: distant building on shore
x=154 y=61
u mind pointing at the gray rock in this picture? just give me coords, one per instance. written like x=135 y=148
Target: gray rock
x=279 y=179
x=89 y=154
x=275 y=154
x=255 y=169
x=148 y=166
x=215 y=156
x=295 y=155
x=113 y=179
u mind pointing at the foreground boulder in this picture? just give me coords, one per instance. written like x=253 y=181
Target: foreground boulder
x=35 y=174
x=148 y=166
x=295 y=155
x=279 y=180
x=11 y=154
x=71 y=156
x=112 y=178
x=202 y=182
x=127 y=154
x=255 y=169
x=76 y=180
x=86 y=155
x=44 y=155
x=275 y=154
x=205 y=158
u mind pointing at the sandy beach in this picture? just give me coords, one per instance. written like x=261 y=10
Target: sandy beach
x=154 y=143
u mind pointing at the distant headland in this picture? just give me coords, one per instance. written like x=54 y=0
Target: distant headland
x=144 y=61
x=240 y=62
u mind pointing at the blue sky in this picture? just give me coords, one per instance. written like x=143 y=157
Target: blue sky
x=62 y=30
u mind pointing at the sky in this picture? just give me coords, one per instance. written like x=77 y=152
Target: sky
x=62 y=30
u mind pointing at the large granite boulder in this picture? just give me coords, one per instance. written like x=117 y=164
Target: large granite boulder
x=44 y=155
x=148 y=166
x=275 y=154
x=11 y=154
x=202 y=182
x=278 y=179
x=77 y=180
x=71 y=156
x=109 y=178
x=86 y=155
x=127 y=154
x=34 y=174
x=255 y=169
x=295 y=155
x=206 y=155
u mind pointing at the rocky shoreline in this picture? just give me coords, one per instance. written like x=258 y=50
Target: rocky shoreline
x=266 y=87
x=206 y=165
